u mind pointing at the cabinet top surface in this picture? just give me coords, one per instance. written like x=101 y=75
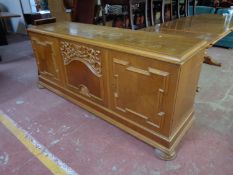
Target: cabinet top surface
x=207 y=27
x=169 y=48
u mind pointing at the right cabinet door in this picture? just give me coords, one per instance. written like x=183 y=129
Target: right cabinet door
x=141 y=89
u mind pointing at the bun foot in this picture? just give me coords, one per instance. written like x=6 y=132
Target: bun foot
x=197 y=89
x=165 y=156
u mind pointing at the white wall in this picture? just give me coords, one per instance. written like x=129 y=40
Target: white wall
x=26 y=6
x=33 y=6
x=13 y=6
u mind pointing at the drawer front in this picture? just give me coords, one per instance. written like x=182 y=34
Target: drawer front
x=84 y=70
x=140 y=90
x=47 y=57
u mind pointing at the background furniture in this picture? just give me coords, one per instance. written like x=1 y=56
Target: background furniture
x=156 y=6
x=3 y=38
x=125 y=10
x=201 y=10
x=41 y=15
x=59 y=11
x=175 y=8
x=5 y=15
x=209 y=3
x=215 y=3
x=227 y=41
x=31 y=17
x=44 y=21
x=163 y=7
x=191 y=6
x=182 y=7
x=69 y=4
x=84 y=11
x=194 y=27
x=226 y=4
x=129 y=5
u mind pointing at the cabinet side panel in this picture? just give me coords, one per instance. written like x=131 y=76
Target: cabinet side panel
x=188 y=83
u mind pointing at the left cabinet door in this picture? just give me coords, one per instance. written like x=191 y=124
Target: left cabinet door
x=47 y=57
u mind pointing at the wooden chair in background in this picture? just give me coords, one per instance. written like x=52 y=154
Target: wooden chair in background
x=183 y=7
x=191 y=3
x=129 y=4
x=125 y=10
x=157 y=6
x=166 y=8
x=175 y=8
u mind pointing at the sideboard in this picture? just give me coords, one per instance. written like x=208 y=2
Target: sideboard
x=144 y=83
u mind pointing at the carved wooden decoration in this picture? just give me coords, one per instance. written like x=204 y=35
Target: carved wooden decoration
x=88 y=56
x=84 y=90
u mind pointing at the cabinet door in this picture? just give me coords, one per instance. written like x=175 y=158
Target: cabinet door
x=84 y=70
x=140 y=90
x=47 y=57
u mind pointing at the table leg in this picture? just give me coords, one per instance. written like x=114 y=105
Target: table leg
x=209 y=60
x=3 y=39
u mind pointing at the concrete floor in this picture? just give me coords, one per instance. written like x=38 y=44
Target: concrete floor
x=89 y=145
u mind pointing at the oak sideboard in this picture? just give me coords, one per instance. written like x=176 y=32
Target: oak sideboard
x=144 y=83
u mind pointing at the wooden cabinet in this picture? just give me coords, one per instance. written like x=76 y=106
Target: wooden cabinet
x=138 y=81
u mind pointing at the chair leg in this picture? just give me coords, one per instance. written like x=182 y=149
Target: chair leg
x=104 y=15
x=146 y=9
x=178 y=8
x=194 y=5
x=186 y=7
x=171 y=10
x=152 y=12
x=162 y=11
x=131 y=15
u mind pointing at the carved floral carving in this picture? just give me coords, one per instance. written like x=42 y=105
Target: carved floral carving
x=88 y=56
